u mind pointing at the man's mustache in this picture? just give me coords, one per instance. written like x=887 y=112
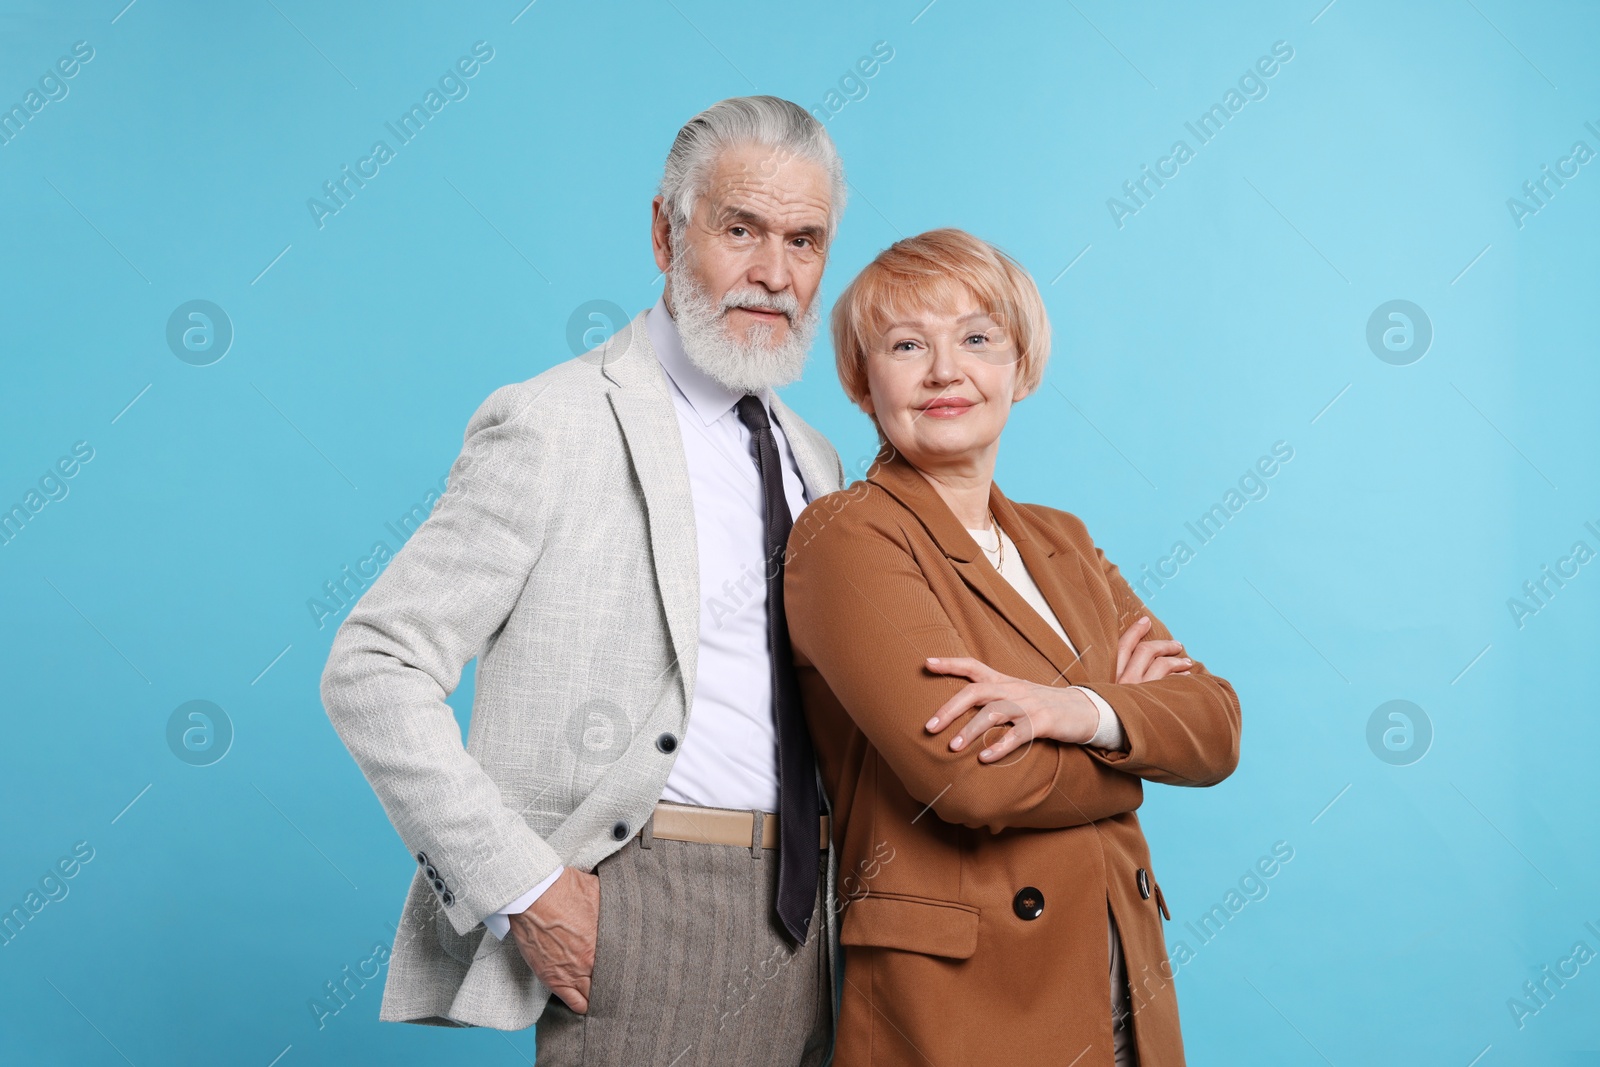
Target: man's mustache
x=781 y=302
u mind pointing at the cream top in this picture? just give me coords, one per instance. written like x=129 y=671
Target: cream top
x=1109 y=734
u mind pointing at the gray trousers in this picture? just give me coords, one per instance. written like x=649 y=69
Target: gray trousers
x=1121 y=1008
x=692 y=968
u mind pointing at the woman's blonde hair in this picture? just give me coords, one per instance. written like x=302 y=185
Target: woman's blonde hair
x=938 y=269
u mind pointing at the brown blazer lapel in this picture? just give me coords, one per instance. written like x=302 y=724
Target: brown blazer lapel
x=1059 y=574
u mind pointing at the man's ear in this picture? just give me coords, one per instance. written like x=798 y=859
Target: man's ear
x=660 y=234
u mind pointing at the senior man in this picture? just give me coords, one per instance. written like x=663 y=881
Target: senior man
x=634 y=823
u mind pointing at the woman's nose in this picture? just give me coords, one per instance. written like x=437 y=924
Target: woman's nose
x=943 y=368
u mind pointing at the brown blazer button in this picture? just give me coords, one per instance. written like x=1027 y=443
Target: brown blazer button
x=1143 y=878
x=1028 y=903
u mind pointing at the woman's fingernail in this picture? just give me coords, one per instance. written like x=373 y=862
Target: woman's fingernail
x=1144 y=618
x=986 y=753
x=956 y=743
x=931 y=723
x=1187 y=661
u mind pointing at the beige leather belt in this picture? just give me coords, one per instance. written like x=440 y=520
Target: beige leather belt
x=718 y=826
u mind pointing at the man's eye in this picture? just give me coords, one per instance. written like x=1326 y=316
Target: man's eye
x=803 y=242
x=738 y=231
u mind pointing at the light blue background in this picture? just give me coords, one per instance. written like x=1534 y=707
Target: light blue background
x=1228 y=314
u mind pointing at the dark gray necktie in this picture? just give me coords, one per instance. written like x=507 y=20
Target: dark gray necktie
x=798 y=806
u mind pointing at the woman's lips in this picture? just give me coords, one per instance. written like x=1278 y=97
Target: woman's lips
x=947 y=407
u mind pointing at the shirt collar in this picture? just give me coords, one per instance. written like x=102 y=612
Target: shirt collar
x=710 y=398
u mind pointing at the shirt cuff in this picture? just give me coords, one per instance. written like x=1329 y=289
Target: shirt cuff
x=1108 y=734
x=499 y=923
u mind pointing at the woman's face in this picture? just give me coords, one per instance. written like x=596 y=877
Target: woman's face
x=941 y=384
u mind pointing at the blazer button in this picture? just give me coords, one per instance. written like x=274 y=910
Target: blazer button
x=1143 y=878
x=619 y=830
x=438 y=885
x=429 y=873
x=1028 y=903
x=667 y=743
x=448 y=898
x=422 y=858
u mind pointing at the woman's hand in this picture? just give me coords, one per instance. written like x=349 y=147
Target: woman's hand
x=1142 y=659
x=1059 y=713
x=1044 y=711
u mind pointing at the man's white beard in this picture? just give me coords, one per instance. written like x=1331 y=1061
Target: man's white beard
x=743 y=366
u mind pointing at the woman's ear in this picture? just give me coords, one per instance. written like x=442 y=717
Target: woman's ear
x=1022 y=389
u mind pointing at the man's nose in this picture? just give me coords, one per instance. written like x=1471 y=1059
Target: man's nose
x=769 y=266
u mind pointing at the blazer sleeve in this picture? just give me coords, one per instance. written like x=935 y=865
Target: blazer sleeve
x=1181 y=729
x=862 y=614
x=400 y=653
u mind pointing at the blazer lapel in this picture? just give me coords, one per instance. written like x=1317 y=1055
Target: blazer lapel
x=815 y=470
x=1061 y=578
x=642 y=401
x=1058 y=574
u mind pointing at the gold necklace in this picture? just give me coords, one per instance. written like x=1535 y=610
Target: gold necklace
x=1000 y=542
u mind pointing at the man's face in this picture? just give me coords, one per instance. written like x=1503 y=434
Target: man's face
x=760 y=228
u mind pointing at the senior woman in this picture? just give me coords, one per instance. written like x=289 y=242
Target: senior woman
x=999 y=903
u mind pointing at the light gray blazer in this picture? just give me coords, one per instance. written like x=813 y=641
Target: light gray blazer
x=562 y=555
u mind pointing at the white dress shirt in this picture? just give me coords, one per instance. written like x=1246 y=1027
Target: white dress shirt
x=728 y=756
x=1109 y=733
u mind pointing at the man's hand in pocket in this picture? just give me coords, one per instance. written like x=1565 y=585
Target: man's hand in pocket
x=556 y=936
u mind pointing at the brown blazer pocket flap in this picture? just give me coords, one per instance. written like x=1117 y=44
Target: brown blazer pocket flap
x=911 y=924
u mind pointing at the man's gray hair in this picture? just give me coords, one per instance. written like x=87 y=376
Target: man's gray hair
x=784 y=127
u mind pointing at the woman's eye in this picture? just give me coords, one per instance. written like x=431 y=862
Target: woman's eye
x=978 y=339
x=902 y=346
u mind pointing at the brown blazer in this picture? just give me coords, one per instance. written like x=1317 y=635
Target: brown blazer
x=940 y=855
